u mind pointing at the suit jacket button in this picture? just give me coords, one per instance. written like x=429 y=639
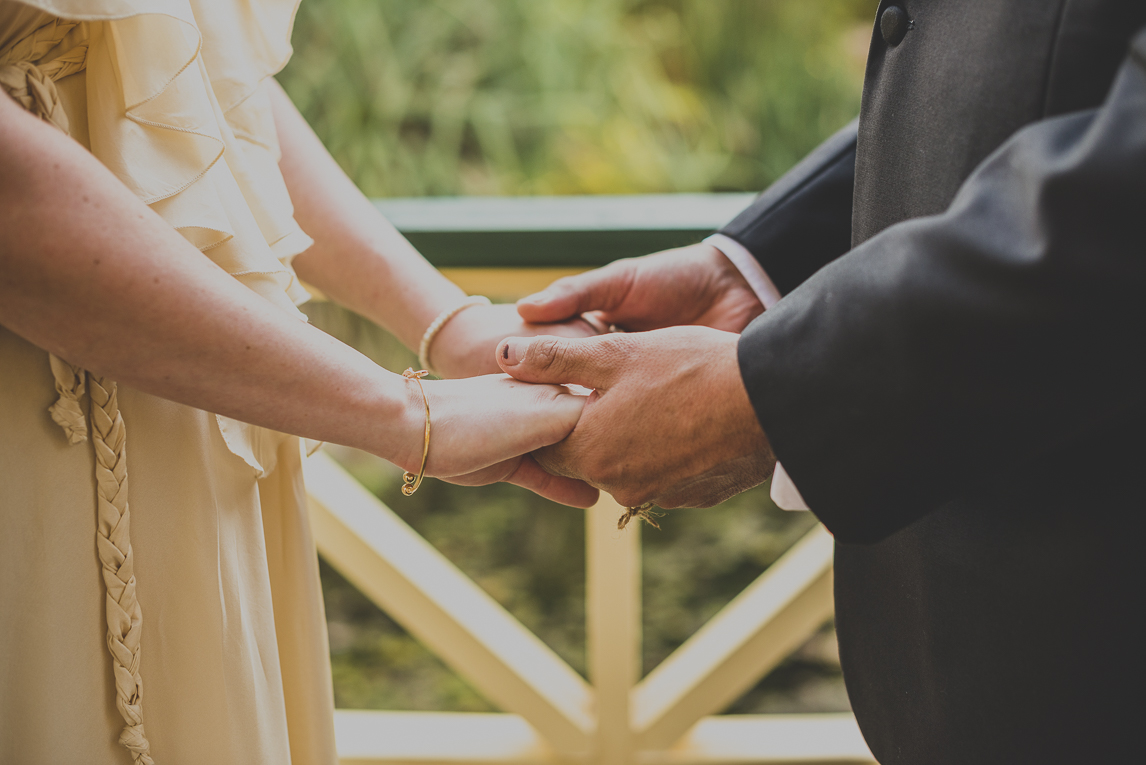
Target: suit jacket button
x=893 y=25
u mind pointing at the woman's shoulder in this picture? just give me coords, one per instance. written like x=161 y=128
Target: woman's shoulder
x=240 y=40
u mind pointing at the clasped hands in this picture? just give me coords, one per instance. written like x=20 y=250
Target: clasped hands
x=668 y=420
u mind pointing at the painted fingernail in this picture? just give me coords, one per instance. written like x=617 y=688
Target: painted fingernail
x=512 y=351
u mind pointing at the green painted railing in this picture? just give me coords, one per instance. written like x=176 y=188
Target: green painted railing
x=555 y=232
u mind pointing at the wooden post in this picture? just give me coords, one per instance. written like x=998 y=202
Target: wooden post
x=613 y=611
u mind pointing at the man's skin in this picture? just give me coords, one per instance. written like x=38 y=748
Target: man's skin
x=669 y=421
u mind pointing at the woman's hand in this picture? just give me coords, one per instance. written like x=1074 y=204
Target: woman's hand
x=481 y=427
x=466 y=345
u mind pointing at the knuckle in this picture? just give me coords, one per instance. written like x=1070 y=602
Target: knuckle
x=616 y=346
x=619 y=270
x=546 y=353
x=621 y=281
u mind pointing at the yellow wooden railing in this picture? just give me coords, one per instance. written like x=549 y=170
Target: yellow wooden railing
x=550 y=713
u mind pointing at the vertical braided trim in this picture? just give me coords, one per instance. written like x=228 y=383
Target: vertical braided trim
x=124 y=616
x=67 y=412
x=31 y=82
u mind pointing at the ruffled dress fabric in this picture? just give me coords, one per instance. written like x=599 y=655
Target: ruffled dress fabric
x=172 y=97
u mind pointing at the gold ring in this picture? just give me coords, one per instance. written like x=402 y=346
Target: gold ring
x=644 y=512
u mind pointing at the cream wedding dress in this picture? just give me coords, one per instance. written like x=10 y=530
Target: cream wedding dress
x=178 y=619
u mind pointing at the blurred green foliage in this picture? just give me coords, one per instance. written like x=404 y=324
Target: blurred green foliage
x=440 y=97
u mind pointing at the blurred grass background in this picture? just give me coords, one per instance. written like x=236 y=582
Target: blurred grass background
x=519 y=97
x=442 y=97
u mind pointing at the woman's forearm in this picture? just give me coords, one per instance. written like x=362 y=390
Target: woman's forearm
x=358 y=259
x=91 y=274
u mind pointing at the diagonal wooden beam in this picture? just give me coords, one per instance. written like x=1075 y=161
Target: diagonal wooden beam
x=440 y=606
x=750 y=636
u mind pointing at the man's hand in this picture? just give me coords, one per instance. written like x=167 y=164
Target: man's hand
x=669 y=420
x=464 y=346
x=689 y=285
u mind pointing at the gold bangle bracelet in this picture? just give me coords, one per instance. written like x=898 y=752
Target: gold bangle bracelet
x=411 y=482
x=437 y=324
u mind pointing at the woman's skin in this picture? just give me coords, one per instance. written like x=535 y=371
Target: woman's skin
x=360 y=261
x=91 y=274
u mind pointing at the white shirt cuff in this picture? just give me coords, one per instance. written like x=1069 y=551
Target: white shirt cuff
x=784 y=492
x=748 y=267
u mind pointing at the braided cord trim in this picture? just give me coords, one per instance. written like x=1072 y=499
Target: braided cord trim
x=32 y=83
x=67 y=412
x=124 y=615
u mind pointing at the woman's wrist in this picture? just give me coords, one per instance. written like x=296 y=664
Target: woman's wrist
x=439 y=323
x=388 y=419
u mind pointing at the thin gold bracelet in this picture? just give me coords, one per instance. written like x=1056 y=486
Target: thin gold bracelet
x=411 y=482
x=437 y=324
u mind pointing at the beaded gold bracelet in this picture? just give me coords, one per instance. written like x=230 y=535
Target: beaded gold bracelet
x=411 y=482
x=437 y=324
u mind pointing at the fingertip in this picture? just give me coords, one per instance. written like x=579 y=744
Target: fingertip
x=540 y=308
x=587 y=496
x=567 y=491
x=537 y=298
x=570 y=492
x=510 y=351
x=526 y=310
x=560 y=301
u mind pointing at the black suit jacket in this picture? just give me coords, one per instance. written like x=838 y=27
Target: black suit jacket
x=955 y=378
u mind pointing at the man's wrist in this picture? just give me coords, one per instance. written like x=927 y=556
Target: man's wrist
x=748 y=267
